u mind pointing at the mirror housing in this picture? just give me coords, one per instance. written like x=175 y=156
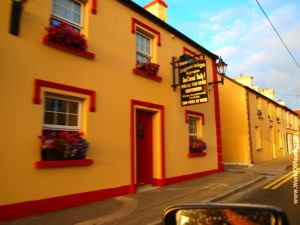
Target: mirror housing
x=231 y=214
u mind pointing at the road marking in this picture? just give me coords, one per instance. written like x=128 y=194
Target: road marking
x=280 y=181
x=129 y=205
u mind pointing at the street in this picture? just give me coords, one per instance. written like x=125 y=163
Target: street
x=279 y=193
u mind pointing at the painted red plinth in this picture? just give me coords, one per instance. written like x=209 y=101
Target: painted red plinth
x=145 y=74
x=197 y=154
x=79 y=162
x=73 y=50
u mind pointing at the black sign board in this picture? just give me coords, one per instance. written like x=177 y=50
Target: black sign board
x=193 y=82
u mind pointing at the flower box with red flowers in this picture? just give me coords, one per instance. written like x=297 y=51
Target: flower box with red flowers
x=197 y=145
x=63 y=145
x=148 y=67
x=63 y=36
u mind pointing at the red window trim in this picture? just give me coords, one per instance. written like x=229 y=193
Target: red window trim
x=135 y=22
x=43 y=83
x=79 y=162
x=197 y=154
x=70 y=49
x=145 y=74
x=94 y=7
x=189 y=112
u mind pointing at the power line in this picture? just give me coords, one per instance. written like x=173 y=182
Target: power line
x=279 y=35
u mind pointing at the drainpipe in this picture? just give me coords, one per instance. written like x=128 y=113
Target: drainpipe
x=249 y=124
x=16 y=11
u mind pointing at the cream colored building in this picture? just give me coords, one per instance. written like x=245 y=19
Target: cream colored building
x=255 y=128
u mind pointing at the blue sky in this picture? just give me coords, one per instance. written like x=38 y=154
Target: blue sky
x=238 y=31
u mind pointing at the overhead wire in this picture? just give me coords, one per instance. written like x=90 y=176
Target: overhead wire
x=281 y=39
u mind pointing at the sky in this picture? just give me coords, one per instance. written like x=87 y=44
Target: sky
x=239 y=32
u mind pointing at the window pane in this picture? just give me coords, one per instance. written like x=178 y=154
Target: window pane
x=61 y=119
x=67 y=9
x=50 y=104
x=143 y=44
x=61 y=106
x=142 y=58
x=73 y=120
x=73 y=107
x=49 y=118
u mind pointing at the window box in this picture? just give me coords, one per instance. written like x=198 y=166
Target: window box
x=82 y=162
x=69 y=49
x=196 y=145
x=62 y=145
x=146 y=74
x=197 y=154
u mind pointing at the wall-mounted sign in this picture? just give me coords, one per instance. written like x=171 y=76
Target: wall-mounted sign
x=193 y=82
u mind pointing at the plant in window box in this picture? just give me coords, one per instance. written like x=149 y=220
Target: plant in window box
x=63 y=145
x=150 y=68
x=64 y=34
x=197 y=145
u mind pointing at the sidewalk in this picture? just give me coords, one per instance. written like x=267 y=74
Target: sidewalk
x=146 y=206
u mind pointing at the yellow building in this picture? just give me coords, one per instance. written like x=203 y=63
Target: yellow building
x=255 y=128
x=116 y=84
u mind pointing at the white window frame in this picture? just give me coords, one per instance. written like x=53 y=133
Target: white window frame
x=63 y=127
x=197 y=121
x=70 y=22
x=150 y=46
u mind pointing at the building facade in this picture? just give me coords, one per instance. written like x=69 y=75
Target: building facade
x=113 y=88
x=259 y=128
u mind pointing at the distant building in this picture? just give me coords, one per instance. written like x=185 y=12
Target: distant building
x=255 y=128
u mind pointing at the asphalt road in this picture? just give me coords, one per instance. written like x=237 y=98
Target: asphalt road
x=276 y=192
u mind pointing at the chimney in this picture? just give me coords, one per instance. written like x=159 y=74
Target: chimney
x=245 y=80
x=158 y=8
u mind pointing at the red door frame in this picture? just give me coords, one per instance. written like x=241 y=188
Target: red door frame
x=135 y=104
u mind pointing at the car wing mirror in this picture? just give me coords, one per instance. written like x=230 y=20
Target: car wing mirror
x=224 y=214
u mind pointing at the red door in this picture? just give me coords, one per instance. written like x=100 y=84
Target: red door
x=144 y=148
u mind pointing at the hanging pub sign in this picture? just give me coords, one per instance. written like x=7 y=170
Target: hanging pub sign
x=193 y=82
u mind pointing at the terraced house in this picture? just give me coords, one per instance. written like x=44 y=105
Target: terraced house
x=259 y=128
x=99 y=98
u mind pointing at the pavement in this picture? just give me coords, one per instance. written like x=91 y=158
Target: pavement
x=146 y=206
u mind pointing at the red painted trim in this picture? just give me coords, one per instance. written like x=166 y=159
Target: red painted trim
x=132 y=142
x=186 y=50
x=217 y=117
x=43 y=83
x=173 y=180
x=79 y=162
x=159 y=182
x=197 y=154
x=135 y=22
x=94 y=7
x=145 y=74
x=189 y=112
x=30 y=208
x=76 y=51
x=156 y=1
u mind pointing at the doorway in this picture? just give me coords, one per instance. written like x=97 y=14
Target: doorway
x=144 y=147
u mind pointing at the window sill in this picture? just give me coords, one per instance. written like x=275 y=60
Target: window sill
x=69 y=49
x=197 y=154
x=260 y=117
x=259 y=149
x=58 y=163
x=145 y=74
